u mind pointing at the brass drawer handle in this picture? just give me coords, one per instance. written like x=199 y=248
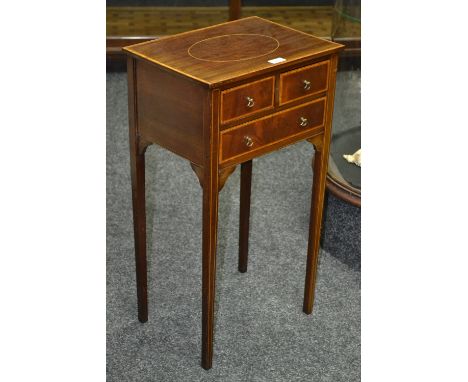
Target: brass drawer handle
x=248 y=141
x=304 y=122
x=306 y=84
x=250 y=101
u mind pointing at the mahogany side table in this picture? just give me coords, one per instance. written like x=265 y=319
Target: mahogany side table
x=219 y=97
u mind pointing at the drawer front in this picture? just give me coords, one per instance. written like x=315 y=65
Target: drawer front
x=303 y=82
x=252 y=137
x=247 y=99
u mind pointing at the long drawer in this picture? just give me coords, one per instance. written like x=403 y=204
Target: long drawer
x=250 y=138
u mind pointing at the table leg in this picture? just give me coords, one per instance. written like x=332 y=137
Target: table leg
x=210 y=225
x=316 y=211
x=137 y=162
x=244 y=214
x=137 y=167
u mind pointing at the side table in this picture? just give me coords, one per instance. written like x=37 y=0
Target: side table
x=219 y=97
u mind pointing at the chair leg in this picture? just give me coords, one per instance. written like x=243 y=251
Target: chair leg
x=244 y=215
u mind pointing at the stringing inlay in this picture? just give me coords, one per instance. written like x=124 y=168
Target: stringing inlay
x=233 y=47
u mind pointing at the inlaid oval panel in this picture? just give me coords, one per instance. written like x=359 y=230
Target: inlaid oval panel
x=233 y=47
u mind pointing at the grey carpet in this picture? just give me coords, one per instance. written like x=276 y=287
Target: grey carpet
x=261 y=333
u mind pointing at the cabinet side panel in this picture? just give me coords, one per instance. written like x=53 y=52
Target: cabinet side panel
x=170 y=111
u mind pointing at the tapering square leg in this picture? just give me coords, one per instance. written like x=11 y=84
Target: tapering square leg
x=137 y=161
x=137 y=170
x=210 y=225
x=316 y=211
x=244 y=214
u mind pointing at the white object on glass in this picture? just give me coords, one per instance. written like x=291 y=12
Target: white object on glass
x=355 y=158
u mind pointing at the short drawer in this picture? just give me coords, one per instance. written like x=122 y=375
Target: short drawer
x=259 y=135
x=303 y=82
x=247 y=99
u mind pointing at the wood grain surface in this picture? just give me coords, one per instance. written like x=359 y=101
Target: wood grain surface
x=303 y=82
x=172 y=52
x=234 y=101
x=167 y=118
x=267 y=133
x=197 y=109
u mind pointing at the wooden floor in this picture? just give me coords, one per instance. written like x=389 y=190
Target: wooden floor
x=160 y=21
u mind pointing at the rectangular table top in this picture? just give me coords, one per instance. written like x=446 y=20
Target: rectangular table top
x=231 y=51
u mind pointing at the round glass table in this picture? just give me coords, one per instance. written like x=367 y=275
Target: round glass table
x=344 y=178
